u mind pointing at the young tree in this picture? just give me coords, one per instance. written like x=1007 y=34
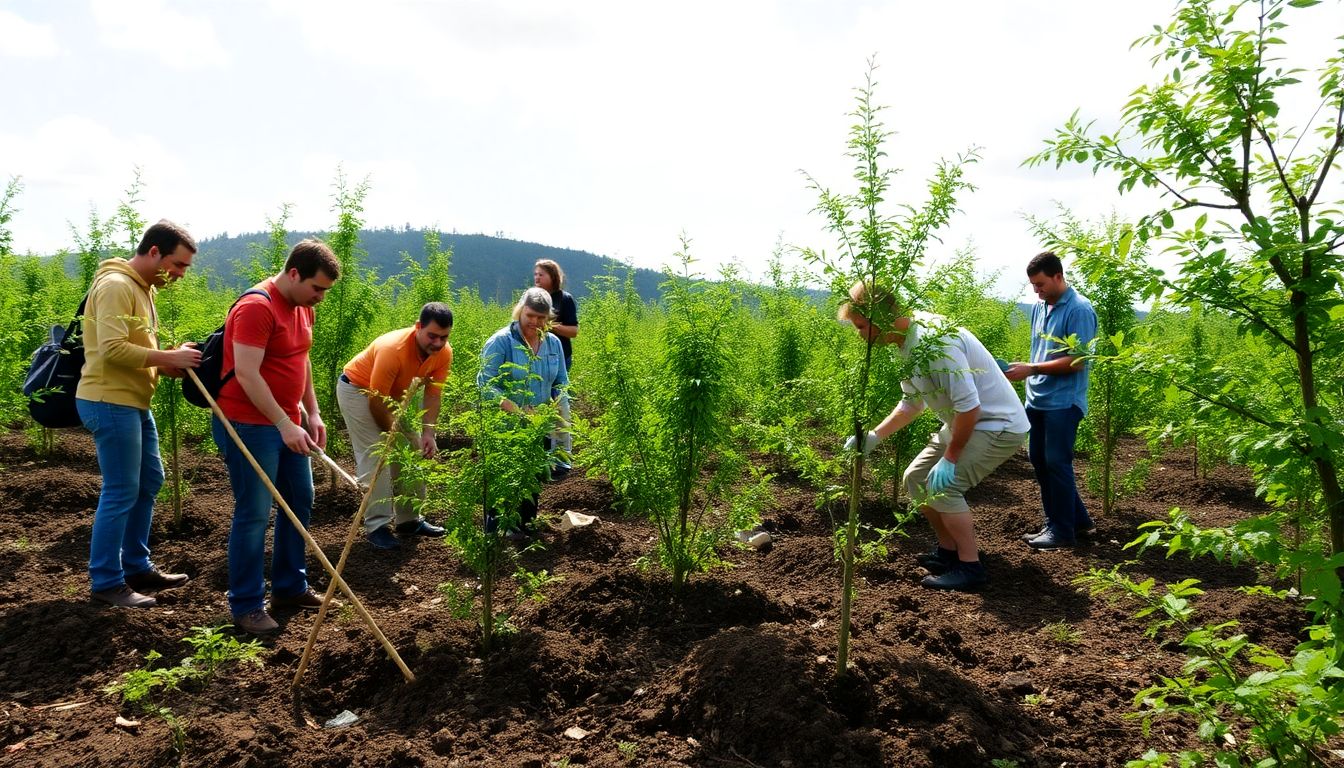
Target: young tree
x=666 y=421
x=478 y=490
x=7 y=211
x=269 y=258
x=1266 y=244
x=883 y=250
x=1208 y=137
x=352 y=303
x=432 y=281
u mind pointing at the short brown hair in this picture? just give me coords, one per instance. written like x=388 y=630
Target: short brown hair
x=553 y=269
x=311 y=255
x=1045 y=262
x=166 y=236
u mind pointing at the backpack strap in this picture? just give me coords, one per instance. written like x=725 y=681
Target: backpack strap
x=224 y=379
x=249 y=291
x=76 y=325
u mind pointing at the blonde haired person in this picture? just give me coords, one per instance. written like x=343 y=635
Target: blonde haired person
x=537 y=371
x=983 y=423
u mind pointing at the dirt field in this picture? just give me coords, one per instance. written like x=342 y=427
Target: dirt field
x=737 y=671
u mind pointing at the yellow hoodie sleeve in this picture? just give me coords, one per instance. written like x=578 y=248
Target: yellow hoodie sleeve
x=119 y=327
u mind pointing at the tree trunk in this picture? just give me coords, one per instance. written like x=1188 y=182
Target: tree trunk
x=175 y=443
x=847 y=593
x=487 y=609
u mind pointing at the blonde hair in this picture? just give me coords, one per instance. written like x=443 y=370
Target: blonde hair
x=879 y=306
x=553 y=269
x=535 y=299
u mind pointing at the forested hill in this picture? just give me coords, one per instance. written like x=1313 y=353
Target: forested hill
x=495 y=266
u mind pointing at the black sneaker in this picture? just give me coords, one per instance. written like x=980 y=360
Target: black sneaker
x=961 y=577
x=937 y=560
x=419 y=528
x=382 y=538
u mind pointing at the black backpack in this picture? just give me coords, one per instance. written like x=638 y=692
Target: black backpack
x=53 y=375
x=211 y=370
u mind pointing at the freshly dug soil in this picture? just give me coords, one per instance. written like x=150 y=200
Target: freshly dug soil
x=736 y=670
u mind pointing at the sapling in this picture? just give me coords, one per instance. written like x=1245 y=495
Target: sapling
x=882 y=251
x=213 y=649
x=666 y=422
x=1260 y=235
x=350 y=306
x=478 y=489
x=269 y=258
x=7 y=211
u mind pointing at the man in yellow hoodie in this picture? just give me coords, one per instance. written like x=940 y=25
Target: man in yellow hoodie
x=121 y=368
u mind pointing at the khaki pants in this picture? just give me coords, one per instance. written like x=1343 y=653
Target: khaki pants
x=983 y=453
x=364 y=438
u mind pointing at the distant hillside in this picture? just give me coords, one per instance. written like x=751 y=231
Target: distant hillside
x=493 y=265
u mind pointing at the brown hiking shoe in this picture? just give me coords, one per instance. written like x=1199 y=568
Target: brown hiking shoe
x=155 y=580
x=258 y=622
x=124 y=597
x=307 y=600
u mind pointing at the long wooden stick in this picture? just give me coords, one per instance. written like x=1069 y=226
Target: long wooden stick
x=337 y=468
x=307 y=537
x=351 y=534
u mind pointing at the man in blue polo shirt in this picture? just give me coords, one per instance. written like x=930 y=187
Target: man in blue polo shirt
x=1056 y=398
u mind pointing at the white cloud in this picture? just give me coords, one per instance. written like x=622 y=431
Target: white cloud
x=150 y=26
x=604 y=125
x=25 y=40
x=69 y=163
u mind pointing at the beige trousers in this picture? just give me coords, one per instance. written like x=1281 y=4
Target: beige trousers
x=365 y=438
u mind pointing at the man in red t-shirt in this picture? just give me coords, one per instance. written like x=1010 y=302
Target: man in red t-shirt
x=266 y=342
x=378 y=377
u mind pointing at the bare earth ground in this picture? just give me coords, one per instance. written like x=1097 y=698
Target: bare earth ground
x=737 y=671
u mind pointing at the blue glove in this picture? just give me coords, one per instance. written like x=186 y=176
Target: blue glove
x=942 y=475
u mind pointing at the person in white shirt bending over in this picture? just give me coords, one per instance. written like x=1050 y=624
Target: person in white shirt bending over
x=983 y=423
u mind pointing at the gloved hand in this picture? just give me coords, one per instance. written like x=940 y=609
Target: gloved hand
x=870 y=441
x=942 y=475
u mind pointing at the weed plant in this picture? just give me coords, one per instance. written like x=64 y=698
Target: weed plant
x=148 y=687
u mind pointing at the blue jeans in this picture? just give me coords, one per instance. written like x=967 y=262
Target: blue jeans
x=128 y=457
x=1050 y=448
x=292 y=475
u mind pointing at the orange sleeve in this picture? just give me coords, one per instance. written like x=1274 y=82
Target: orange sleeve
x=386 y=366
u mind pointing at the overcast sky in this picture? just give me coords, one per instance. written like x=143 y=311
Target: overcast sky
x=607 y=126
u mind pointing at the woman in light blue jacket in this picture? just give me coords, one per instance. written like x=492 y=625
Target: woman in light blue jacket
x=535 y=372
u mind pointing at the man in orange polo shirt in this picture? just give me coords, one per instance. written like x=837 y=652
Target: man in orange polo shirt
x=371 y=382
